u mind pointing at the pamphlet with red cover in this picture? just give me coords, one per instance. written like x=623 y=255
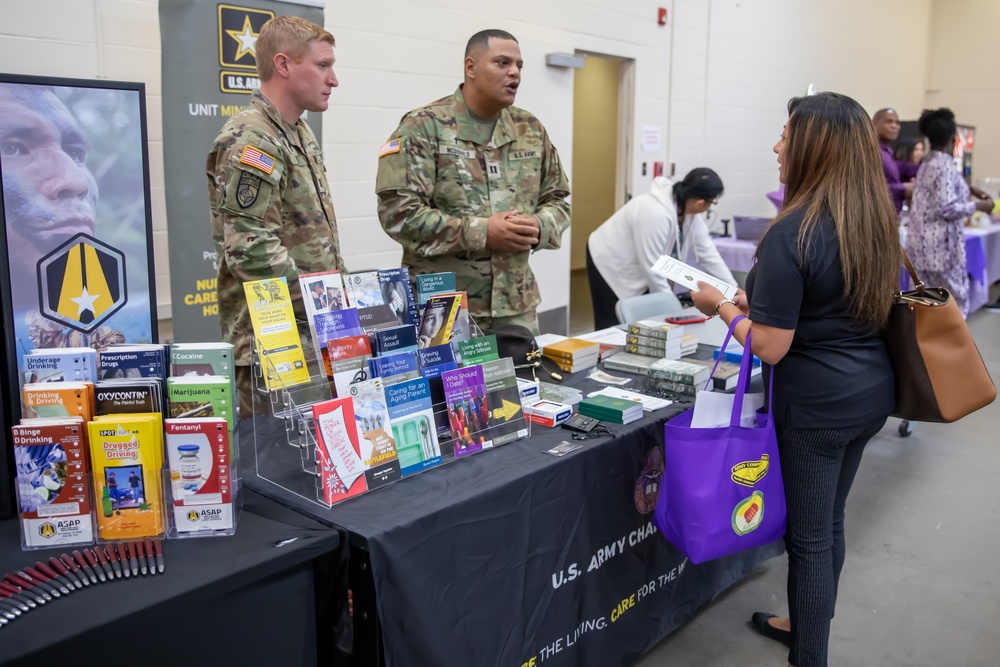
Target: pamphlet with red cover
x=52 y=484
x=338 y=451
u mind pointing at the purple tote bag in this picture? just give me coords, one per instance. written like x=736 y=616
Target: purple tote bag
x=721 y=491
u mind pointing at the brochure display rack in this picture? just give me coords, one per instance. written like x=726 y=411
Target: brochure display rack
x=326 y=448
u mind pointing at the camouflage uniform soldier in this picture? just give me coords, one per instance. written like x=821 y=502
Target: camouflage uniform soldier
x=272 y=215
x=471 y=184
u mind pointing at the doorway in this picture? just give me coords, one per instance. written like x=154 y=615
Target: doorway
x=602 y=153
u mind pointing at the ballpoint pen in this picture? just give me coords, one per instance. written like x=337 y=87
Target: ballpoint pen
x=74 y=569
x=25 y=588
x=65 y=572
x=8 y=612
x=147 y=543
x=102 y=558
x=41 y=580
x=140 y=554
x=133 y=558
x=123 y=560
x=35 y=585
x=85 y=566
x=158 y=547
x=94 y=565
x=17 y=595
x=8 y=607
x=66 y=586
x=109 y=549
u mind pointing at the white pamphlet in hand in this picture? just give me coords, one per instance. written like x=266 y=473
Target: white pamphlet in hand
x=684 y=274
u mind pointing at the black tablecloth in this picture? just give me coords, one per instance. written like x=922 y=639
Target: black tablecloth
x=515 y=557
x=246 y=599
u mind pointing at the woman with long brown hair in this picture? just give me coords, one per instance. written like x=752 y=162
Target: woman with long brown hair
x=816 y=300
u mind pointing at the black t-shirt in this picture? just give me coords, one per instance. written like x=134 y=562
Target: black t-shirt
x=836 y=373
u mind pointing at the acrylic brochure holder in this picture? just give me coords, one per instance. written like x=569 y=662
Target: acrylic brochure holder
x=281 y=443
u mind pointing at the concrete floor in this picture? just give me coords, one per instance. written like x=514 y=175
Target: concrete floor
x=921 y=586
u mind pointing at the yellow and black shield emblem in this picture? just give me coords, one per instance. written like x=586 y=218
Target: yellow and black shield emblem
x=82 y=283
x=47 y=530
x=247 y=189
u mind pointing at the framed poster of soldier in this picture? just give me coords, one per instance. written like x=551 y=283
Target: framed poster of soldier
x=77 y=263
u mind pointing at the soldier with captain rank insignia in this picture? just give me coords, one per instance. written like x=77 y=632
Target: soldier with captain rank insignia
x=472 y=184
x=272 y=214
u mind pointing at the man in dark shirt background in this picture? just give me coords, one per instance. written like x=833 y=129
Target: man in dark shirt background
x=887 y=127
x=133 y=482
x=112 y=487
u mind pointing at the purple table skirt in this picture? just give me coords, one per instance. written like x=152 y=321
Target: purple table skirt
x=982 y=261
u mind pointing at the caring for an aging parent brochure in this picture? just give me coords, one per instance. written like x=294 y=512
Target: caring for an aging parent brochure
x=688 y=276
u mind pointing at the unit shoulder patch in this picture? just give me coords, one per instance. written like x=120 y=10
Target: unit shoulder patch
x=247 y=189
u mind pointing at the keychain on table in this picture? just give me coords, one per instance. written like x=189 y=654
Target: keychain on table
x=598 y=431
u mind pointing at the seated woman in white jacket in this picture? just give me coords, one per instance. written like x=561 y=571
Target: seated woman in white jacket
x=667 y=221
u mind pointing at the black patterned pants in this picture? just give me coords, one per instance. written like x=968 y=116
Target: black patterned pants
x=818 y=467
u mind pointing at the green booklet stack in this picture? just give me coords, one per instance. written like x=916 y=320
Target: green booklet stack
x=610 y=409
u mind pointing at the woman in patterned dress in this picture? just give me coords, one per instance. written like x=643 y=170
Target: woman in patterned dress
x=934 y=240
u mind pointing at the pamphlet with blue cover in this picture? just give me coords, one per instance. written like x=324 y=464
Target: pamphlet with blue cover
x=412 y=415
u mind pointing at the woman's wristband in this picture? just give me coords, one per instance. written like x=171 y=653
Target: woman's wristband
x=724 y=301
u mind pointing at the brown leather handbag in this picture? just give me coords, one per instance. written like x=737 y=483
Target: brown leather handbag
x=940 y=375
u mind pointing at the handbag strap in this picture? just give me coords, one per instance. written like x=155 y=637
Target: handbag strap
x=917 y=283
x=743 y=383
x=729 y=334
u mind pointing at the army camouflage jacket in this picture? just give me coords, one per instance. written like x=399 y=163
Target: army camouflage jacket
x=437 y=187
x=272 y=214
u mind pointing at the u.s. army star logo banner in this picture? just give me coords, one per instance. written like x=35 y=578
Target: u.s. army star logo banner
x=247 y=189
x=82 y=283
x=239 y=28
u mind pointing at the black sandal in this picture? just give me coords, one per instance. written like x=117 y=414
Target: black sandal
x=759 y=621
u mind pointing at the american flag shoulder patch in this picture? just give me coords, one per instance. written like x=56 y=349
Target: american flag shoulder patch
x=389 y=148
x=257 y=158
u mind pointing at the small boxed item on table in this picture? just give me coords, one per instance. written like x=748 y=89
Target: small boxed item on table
x=548 y=413
x=528 y=390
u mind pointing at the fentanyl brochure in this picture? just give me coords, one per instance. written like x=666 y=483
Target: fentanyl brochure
x=688 y=276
